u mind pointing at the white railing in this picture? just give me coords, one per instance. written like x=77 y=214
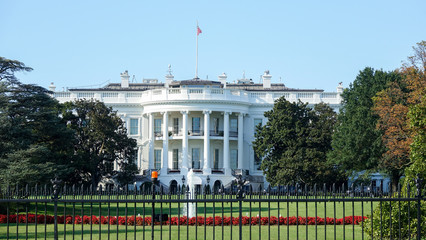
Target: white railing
x=86 y=95
x=217 y=91
x=161 y=95
x=134 y=95
x=195 y=91
x=62 y=94
x=174 y=91
x=110 y=94
x=328 y=95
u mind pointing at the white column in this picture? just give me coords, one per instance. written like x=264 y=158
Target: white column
x=207 y=165
x=127 y=124
x=151 y=140
x=165 y=143
x=139 y=159
x=140 y=127
x=226 y=165
x=184 y=142
x=240 y=140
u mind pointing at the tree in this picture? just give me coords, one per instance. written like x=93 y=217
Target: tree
x=100 y=141
x=8 y=68
x=356 y=143
x=33 y=140
x=392 y=106
x=294 y=142
x=408 y=96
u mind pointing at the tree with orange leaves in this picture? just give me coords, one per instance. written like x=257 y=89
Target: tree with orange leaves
x=392 y=106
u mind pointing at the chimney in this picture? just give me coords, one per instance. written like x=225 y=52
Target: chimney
x=125 y=79
x=222 y=79
x=340 y=88
x=266 y=80
x=52 y=87
x=169 y=76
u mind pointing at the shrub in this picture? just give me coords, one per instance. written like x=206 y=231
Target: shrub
x=387 y=228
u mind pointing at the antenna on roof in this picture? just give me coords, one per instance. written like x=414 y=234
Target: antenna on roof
x=133 y=79
x=169 y=71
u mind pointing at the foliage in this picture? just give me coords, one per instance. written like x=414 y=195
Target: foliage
x=356 y=142
x=33 y=141
x=386 y=228
x=294 y=142
x=417 y=116
x=8 y=68
x=100 y=141
x=409 y=97
x=392 y=106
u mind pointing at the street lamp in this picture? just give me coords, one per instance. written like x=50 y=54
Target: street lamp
x=208 y=183
x=183 y=183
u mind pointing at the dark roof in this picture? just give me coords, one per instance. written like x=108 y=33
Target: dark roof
x=117 y=87
x=195 y=81
x=274 y=87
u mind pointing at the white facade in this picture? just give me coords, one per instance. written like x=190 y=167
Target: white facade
x=196 y=128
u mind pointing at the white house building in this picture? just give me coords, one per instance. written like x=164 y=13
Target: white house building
x=200 y=129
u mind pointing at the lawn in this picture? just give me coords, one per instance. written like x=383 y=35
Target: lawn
x=321 y=209
x=119 y=232
x=264 y=209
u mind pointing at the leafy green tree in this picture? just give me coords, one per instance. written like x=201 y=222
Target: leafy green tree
x=294 y=142
x=8 y=68
x=100 y=140
x=413 y=102
x=33 y=140
x=356 y=142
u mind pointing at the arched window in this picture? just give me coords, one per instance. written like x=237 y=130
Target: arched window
x=216 y=186
x=173 y=187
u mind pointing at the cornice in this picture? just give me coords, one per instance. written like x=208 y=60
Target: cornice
x=192 y=101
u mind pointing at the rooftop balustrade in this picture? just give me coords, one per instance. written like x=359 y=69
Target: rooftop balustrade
x=182 y=94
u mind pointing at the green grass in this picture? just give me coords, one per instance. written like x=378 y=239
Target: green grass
x=276 y=209
x=120 y=232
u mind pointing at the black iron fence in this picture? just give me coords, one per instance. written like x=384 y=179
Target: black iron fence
x=239 y=212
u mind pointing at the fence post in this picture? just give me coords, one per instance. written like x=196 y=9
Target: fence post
x=55 y=197
x=240 y=195
x=154 y=177
x=419 y=198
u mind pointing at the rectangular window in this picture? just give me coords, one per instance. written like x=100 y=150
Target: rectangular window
x=157 y=158
x=196 y=125
x=216 y=125
x=175 y=125
x=175 y=158
x=157 y=126
x=134 y=126
x=234 y=125
x=216 y=159
x=196 y=158
x=233 y=128
x=234 y=159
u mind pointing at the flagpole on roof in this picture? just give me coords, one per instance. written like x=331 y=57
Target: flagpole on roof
x=196 y=55
x=196 y=52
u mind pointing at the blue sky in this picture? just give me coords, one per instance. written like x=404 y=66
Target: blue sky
x=304 y=44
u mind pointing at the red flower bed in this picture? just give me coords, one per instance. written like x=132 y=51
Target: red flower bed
x=210 y=221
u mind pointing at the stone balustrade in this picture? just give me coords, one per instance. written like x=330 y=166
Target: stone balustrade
x=182 y=94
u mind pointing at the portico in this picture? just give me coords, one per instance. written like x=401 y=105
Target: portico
x=180 y=128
